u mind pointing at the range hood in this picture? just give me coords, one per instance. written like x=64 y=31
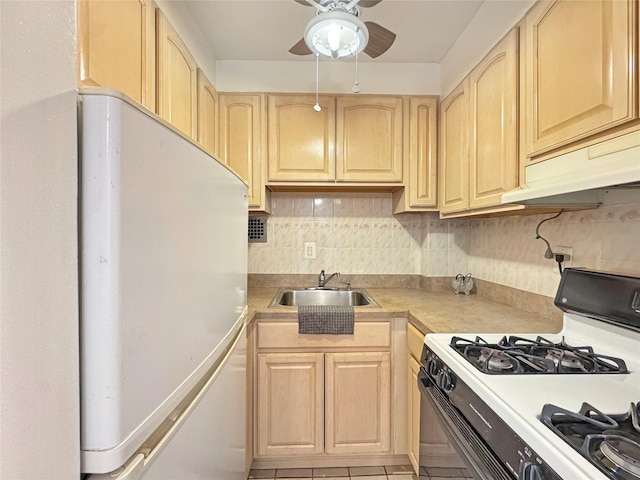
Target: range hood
x=582 y=178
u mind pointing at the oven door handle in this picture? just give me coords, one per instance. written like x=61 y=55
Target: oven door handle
x=463 y=437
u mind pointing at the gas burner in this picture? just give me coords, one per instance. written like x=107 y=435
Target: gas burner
x=565 y=359
x=623 y=453
x=610 y=442
x=495 y=360
x=579 y=360
x=490 y=360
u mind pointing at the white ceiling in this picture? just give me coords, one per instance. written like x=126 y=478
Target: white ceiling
x=266 y=29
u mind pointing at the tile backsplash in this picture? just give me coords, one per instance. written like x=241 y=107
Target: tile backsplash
x=358 y=234
x=354 y=233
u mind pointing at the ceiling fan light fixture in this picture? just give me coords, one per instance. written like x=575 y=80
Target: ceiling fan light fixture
x=336 y=34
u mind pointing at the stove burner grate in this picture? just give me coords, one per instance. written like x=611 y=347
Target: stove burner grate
x=610 y=442
x=520 y=355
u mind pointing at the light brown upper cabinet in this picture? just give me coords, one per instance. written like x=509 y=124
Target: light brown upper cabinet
x=207 y=114
x=369 y=138
x=454 y=152
x=579 y=67
x=479 y=135
x=177 y=80
x=301 y=141
x=493 y=145
x=116 y=47
x=352 y=139
x=420 y=162
x=242 y=140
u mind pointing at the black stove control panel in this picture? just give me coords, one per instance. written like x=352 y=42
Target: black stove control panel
x=606 y=296
x=462 y=410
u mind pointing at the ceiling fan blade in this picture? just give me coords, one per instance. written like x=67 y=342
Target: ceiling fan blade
x=300 y=48
x=380 y=39
x=367 y=3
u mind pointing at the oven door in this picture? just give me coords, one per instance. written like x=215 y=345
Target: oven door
x=482 y=463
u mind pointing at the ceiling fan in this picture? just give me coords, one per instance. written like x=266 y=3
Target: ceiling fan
x=336 y=31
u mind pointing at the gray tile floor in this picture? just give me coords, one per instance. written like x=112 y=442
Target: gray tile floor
x=396 y=472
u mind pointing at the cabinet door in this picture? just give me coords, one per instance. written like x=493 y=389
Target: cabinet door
x=369 y=139
x=177 y=84
x=116 y=42
x=301 y=141
x=413 y=413
x=290 y=404
x=454 y=154
x=358 y=413
x=207 y=114
x=422 y=140
x=493 y=154
x=241 y=140
x=579 y=61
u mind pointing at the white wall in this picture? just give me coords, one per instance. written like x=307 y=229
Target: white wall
x=39 y=412
x=492 y=21
x=336 y=76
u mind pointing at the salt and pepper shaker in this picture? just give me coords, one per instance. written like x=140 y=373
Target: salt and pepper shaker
x=462 y=283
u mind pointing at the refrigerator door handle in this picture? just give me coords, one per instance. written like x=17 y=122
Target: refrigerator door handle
x=132 y=471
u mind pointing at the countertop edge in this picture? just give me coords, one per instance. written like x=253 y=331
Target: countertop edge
x=429 y=312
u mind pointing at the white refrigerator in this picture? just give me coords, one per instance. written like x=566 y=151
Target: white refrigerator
x=163 y=235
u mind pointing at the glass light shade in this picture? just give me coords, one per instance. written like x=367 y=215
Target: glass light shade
x=336 y=34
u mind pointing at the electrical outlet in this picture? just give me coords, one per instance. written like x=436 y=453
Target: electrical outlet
x=310 y=250
x=568 y=257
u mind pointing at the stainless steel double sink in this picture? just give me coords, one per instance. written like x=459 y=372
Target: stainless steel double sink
x=293 y=297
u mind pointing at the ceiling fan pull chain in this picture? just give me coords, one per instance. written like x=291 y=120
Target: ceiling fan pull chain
x=316 y=107
x=356 y=85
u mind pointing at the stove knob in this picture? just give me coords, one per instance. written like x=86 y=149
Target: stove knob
x=532 y=471
x=432 y=367
x=446 y=381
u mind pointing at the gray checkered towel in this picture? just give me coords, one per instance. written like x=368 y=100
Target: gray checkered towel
x=325 y=319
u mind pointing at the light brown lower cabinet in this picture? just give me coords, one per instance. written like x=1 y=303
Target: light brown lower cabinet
x=322 y=396
x=357 y=409
x=290 y=404
x=413 y=413
x=332 y=403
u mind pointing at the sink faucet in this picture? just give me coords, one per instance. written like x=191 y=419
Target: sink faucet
x=322 y=280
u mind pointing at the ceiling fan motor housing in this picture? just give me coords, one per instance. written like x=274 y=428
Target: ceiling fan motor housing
x=336 y=34
x=339 y=5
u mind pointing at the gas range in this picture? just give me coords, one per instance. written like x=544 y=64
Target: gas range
x=496 y=387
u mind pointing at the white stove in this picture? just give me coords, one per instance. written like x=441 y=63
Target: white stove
x=499 y=389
